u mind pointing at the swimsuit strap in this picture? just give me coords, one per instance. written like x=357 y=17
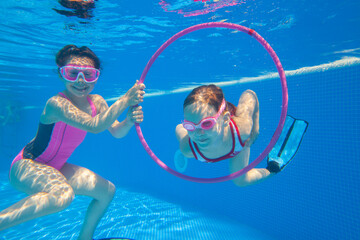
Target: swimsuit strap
x=236 y=132
x=62 y=94
x=237 y=146
x=92 y=105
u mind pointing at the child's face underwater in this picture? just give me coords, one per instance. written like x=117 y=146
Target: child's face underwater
x=197 y=112
x=80 y=87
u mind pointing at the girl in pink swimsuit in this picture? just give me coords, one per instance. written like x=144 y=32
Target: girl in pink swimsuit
x=215 y=130
x=40 y=169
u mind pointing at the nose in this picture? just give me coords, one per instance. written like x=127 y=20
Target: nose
x=80 y=78
x=199 y=131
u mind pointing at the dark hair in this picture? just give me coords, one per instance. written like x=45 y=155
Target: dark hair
x=209 y=94
x=78 y=5
x=80 y=9
x=70 y=51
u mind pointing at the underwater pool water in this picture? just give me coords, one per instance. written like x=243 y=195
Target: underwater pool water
x=133 y=215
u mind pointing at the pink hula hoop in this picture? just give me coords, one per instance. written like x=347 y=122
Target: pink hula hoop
x=278 y=130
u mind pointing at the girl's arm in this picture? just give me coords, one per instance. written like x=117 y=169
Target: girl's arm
x=183 y=138
x=60 y=109
x=121 y=129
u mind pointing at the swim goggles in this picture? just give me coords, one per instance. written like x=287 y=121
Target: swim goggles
x=71 y=73
x=206 y=123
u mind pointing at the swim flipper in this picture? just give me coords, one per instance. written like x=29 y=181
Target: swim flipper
x=287 y=145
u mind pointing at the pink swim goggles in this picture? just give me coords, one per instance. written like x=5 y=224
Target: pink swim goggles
x=71 y=73
x=206 y=123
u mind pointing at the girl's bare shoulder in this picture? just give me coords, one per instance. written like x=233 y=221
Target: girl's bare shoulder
x=99 y=101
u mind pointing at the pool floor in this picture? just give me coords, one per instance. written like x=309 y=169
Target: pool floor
x=132 y=215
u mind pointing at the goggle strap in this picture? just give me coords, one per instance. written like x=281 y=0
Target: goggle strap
x=222 y=108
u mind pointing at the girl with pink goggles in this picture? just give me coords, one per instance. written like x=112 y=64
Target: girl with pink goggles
x=71 y=73
x=206 y=123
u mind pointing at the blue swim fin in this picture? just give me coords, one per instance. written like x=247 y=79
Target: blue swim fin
x=288 y=143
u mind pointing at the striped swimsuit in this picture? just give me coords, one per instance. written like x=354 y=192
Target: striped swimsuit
x=237 y=146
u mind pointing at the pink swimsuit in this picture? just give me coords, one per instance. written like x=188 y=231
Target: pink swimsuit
x=237 y=146
x=54 y=143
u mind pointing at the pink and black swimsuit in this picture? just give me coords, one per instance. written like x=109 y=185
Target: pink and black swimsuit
x=54 y=143
x=237 y=146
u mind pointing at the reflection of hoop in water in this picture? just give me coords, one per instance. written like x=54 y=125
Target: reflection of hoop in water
x=283 y=111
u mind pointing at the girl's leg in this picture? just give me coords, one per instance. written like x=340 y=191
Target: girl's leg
x=247 y=120
x=247 y=116
x=254 y=176
x=87 y=183
x=48 y=189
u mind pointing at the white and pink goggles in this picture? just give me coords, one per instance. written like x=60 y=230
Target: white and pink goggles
x=206 y=123
x=71 y=73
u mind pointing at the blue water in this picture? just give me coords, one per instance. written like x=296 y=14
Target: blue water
x=316 y=197
x=134 y=215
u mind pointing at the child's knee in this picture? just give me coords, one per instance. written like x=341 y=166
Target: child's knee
x=111 y=190
x=249 y=94
x=248 y=104
x=242 y=181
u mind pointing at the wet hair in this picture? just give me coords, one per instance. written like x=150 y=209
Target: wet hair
x=80 y=9
x=211 y=95
x=70 y=51
x=78 y=5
